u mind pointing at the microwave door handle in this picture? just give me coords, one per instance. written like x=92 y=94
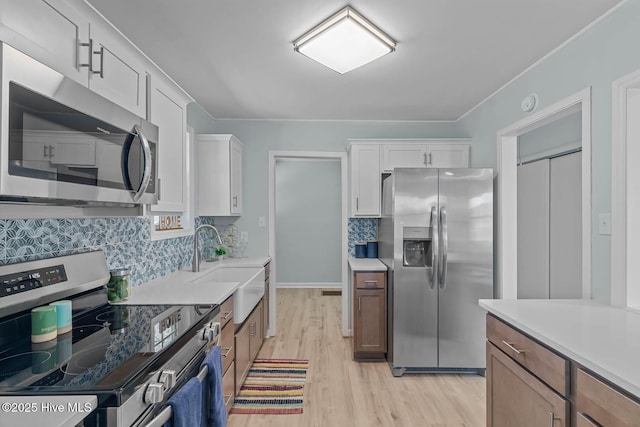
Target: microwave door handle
x=445 y=247
x=434 y=247
x=146 y=174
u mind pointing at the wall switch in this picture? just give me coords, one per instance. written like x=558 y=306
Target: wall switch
x=262 y=221
x=244 y=236
x=604 y=223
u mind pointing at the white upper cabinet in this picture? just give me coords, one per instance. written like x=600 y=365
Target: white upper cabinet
x=365 y=180
x=118 y=71
x=426 y=153
x=448 y=155
x=219 y=184
x=168 y=111
x=73 y=39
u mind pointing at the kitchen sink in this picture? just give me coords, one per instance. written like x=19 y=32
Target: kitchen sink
x=248 y=294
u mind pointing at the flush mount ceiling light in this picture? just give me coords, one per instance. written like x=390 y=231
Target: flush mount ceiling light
x=344 y=41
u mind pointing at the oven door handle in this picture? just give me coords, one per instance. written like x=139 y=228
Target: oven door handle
x=147 y=161
x=167 y=413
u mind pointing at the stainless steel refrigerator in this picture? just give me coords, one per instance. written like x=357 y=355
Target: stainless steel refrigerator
x=436 y=238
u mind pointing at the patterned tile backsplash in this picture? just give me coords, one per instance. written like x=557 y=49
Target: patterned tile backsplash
x=125 y=241
x=361 y=230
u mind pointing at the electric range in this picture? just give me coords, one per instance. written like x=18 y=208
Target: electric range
x=130 y=357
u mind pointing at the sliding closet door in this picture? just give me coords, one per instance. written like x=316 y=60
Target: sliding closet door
x=565 y=226
x=533 y=230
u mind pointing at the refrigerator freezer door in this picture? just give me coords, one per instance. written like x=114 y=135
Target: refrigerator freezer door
x=466 y=200
x=415 y=298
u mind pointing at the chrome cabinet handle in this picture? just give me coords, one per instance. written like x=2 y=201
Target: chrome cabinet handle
x=228 y=399
x=359 y=298
x=371 y=281
x=553 y=418
x=226 y=315
x=425 y=158
x=515 y=350
x=228 y=351
x=51 y=151
x=252 y=329
x=101 y=71
x=45 y=154
x=435 y=244
x=357 y=204
x=445 y=247
x=90 y=63
x=235 y=201
x=429 y=162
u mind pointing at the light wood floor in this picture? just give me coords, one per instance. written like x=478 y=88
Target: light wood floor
x=340 y=392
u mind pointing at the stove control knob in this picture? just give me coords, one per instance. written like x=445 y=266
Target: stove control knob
x=167 y=379
x=211 y=333
x=154 y=393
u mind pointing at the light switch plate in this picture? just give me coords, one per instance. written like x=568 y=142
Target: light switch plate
x=604 y=223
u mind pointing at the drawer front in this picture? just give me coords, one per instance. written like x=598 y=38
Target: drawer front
x=226 y=346
x=545 y=364
x=228 y=386
x=370 y=280
x=604 y=404
x=226 y=311
x=582 y=421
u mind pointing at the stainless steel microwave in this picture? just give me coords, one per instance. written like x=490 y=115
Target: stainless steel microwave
x=62 y=143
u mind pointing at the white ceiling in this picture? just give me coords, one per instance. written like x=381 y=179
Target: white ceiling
x=235 y=57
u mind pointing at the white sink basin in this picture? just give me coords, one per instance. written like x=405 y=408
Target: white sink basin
x=248 y=294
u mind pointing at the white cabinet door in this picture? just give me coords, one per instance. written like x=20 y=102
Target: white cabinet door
x=169 y=113
x=365 y=180
x=403 y=156
x=50 y=31
x=118 y=71
x=59 y=148
x=219 y=190
x=236 y=178
x=448 y=155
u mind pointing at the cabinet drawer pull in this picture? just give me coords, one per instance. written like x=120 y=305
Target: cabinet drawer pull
x=226 y=315
x=553 y=418
x=370 y=281
x=359 y=304
x=227 y=399
x=228 y=351
x=512 y=347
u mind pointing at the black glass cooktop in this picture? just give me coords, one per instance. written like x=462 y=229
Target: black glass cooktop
x=108 y=347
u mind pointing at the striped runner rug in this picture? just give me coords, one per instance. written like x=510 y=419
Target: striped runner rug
x=273 y=386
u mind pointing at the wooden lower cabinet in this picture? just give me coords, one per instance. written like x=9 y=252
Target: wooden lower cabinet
x=370 y=316
x=517 y=398
x=228 y=387
x=601 y=404
x=248 y=340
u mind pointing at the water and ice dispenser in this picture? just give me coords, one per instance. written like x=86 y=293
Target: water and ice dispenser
x=416 y=247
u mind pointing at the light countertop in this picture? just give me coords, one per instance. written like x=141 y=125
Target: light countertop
x=366 y=264
x=180 y=287
x=600 y=337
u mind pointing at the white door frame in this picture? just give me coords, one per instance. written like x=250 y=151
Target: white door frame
x=507 y=144
x=273 y=157
x=619 y=196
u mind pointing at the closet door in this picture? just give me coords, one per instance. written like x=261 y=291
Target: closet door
x=533 y=230
x=565 y=227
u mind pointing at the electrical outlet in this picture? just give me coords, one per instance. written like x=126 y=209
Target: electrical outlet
x=604 y=223
x=244 y=236
x=262 y=221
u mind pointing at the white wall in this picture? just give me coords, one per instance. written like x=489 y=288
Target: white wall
x=602 y=54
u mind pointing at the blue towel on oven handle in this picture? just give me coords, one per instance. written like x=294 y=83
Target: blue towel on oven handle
x=186 y=405
x=217 y=412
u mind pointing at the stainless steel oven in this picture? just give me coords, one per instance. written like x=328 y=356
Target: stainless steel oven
x=117 y=366
x=61 y=142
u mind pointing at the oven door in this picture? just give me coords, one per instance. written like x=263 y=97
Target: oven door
x=61 y=141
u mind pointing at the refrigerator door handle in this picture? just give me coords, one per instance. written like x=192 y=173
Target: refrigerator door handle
x=434 y=246
x=445 y=247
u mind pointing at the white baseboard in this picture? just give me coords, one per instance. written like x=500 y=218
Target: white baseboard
x=309 y=285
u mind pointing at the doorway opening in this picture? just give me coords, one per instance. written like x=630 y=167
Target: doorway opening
x=300 y=259
x=507 y=183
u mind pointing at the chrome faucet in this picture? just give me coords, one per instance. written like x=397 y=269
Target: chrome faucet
x=195 y=265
